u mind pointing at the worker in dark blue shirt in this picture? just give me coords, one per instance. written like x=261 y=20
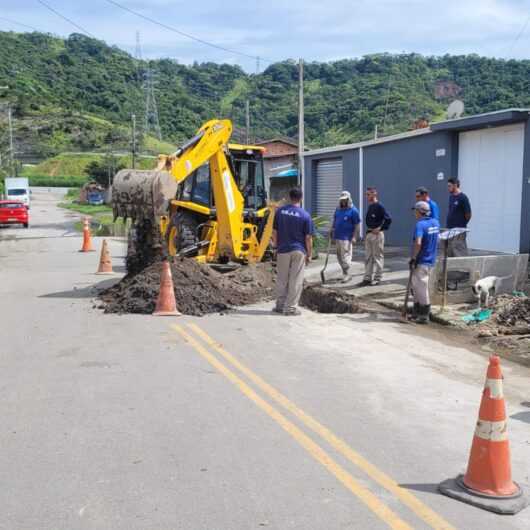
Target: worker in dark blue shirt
x=423 y=259
x=378 y=220
x=422 y=194
x=458 y=216
x=292 y=237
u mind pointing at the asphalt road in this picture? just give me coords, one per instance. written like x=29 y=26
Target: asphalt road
x=226 y=422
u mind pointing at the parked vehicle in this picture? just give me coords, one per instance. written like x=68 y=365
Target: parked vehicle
x=17 y=189
x=95 y=198
x=14 y=212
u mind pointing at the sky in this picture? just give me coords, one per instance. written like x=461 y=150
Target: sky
x=276 y=30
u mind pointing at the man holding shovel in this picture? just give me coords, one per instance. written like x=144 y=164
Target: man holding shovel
x=345 y=230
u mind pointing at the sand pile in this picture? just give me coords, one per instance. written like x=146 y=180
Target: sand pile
x=198 y=288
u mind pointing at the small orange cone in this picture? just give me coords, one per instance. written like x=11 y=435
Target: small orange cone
x=488 y=480
x=166 y=304
x=105 y=261
x=87 y=238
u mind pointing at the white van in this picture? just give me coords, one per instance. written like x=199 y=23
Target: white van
x=17 y=189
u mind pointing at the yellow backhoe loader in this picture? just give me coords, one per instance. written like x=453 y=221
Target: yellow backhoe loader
x=206 y=201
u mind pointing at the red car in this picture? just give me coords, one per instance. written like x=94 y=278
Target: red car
x=14 y=212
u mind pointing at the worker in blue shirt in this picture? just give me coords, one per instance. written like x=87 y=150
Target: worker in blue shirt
x=422 y=194
x=458 y=216
x=345 y=231
x=423 y=259
x=292 y=236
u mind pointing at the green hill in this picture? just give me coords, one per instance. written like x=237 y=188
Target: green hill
x=78 y=94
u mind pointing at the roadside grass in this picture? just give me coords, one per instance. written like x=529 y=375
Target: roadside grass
x=86 y=209
x=72 y=193
x=101 y=217
x=69 y=169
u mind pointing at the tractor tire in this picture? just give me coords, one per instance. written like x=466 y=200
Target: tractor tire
x=182 y=232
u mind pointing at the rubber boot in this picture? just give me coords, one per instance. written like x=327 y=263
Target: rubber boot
x=415 y=311
x=423 y=315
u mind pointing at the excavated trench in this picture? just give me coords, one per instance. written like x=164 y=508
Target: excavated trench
x=324 y=300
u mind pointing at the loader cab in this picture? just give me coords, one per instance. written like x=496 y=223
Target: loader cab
x=247 y=167
x=247 y=162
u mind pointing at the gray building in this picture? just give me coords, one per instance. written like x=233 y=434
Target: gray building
x=489 y=153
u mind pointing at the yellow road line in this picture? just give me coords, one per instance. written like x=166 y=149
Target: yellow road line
x=421 y=510
x=366 y=496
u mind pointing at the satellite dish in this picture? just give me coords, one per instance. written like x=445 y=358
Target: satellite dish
x=455 y=110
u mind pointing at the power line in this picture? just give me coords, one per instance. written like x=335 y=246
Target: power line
x=183 y=34
x=519 y=35
x=50 y=8
x=18 y=23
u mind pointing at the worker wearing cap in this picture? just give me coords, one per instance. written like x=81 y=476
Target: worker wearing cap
x=423 y=259
x=345 y=230
x=422 y=194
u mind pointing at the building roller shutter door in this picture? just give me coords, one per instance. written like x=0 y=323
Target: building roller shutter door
x=490 y=168
x=329 y=178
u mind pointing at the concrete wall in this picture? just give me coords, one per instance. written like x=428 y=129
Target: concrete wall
x=396 y=169
x=525 y=214
x=512 y=268
x=269 y=165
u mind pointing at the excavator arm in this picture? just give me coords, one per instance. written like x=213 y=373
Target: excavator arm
x=235 y=237
x=209 y=145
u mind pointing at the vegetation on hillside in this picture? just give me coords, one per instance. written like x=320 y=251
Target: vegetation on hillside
x=79 y=93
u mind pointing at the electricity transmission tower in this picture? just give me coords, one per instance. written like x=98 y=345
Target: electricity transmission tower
x=151 y=122
x=147 y=106
x=138 y=58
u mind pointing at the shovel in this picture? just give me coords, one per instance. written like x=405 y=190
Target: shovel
x=322 y=277
x=407 y=297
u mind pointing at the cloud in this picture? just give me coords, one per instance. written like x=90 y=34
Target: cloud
x=278 y=30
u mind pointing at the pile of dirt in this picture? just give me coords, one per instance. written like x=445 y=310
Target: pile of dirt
x=325 y=300
x=198 y=288
x=513 y=311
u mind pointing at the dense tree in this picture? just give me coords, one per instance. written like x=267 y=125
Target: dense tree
x=103 y=171
x=70 y=79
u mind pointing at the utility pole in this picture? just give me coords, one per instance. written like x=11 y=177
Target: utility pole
x=247 y=120
x=375 y=132
x=11 y=147
x=133 y=142
x=301 y=124
x=258 y=60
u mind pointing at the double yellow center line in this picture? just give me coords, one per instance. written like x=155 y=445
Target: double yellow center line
x=201 y=341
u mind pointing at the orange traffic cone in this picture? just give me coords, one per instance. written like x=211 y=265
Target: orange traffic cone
x=488 y=480
x=87 y=238
x=105 y=261
x=166 y=304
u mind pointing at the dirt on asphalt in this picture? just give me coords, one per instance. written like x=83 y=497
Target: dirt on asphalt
x=198 y=288
x=507 y=332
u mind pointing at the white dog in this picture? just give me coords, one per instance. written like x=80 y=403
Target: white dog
x=486 y=287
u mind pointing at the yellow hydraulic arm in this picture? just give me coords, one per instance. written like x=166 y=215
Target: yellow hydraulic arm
x=235 y=238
